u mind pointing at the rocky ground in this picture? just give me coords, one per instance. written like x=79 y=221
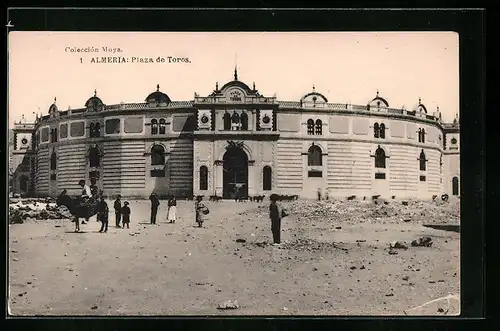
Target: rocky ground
x=336 y=259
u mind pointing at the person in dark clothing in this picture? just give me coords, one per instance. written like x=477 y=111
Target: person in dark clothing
x=155 y=202
x=125 y=211
x=118 y=208
x=102 y=214
x=275 y=216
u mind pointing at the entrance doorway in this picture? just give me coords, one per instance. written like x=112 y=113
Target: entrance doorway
x=235 y=174
x=454 y=186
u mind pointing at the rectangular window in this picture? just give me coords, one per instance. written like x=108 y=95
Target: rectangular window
x=315 y=173
x=45 y=134
x=94 y=174
x=158 y=172
x=63 y=131
x=379 y=175
x=53 y=177
x=77 y=129
x=112 y=126
x=422 y=178
x=133 y=125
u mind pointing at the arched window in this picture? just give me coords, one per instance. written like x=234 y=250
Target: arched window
x=376 y=130
x=422 y=160
x=23 y=183
x=419 y=135
x=94 y=157
x=53 y=161
x=227 y=121
x=157 y=155
x=380 y=158
x=382 y=130
x=423 y=135
x=244 y=121
x=95 y=130
x=314 y=156
x=154 y=126
x=454 y=186
x=267 y=178
x=310 y=126
x=203 y=178
x=235 y=118
x=319 y=127
x=162 y=126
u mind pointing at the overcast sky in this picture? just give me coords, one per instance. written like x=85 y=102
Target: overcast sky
x=345 y=67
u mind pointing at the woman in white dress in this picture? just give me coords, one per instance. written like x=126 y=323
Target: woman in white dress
x=172 y=209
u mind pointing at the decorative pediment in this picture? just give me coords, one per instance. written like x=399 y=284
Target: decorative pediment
x=234 y=144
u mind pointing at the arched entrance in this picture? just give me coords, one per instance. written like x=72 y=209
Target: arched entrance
x=235 y=174
x=454 y=186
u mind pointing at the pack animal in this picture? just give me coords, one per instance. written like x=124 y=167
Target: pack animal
x=77 y=207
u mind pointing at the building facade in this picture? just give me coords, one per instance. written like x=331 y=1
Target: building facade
x=237 y=141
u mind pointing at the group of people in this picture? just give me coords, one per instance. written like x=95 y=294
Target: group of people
x=122 y=213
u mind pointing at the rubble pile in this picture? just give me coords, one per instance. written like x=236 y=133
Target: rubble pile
x=39 y=209
x=358 y=210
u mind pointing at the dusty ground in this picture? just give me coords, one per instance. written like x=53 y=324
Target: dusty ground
x=178 y=269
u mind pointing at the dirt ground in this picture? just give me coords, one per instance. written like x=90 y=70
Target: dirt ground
x=333 y=262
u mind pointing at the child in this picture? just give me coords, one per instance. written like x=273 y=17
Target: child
x=126 y=214
x=118 y=208
x=102 y=214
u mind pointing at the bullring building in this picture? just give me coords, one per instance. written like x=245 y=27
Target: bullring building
x=238 y=140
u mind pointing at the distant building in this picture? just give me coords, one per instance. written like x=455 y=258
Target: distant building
x=21 y=159
x=237 y=141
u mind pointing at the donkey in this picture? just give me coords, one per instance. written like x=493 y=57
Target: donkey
x=77 y=208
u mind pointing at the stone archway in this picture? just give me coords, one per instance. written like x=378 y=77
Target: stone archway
x=235 y=174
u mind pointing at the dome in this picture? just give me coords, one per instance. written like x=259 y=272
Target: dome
x=94 y=102
x=378 y=101
x=314 y=96
x=158 y=97
x=53 y=108
x=420 y=107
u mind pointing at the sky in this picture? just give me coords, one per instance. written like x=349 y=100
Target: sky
x=346 y=67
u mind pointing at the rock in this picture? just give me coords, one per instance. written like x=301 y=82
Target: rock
x=94 y=307
x=393 y=252
x=389 y=295
x=399 y=245
x=406 y=278
x=239 y=240
x=422 y=242
x=404 y=203
x=228 y=305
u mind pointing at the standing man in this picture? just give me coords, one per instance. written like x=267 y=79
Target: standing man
x=275 y=216
x=102 y=213
x=118 y=210
x=154 y=207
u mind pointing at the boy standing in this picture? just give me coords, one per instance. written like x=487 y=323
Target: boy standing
x=102 y=214
x=125 y=211
x=118 y=208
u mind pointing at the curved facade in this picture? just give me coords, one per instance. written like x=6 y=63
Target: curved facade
x=236 y=140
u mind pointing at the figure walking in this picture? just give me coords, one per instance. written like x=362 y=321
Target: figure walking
x=102 y=214
x=201 y=210
x=155 y=202
x=125 y=211
x=172 y=208
x=118 y=208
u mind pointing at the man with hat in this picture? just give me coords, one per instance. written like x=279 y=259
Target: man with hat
x=118 y=212
x=275 y=214
x=155 y=202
